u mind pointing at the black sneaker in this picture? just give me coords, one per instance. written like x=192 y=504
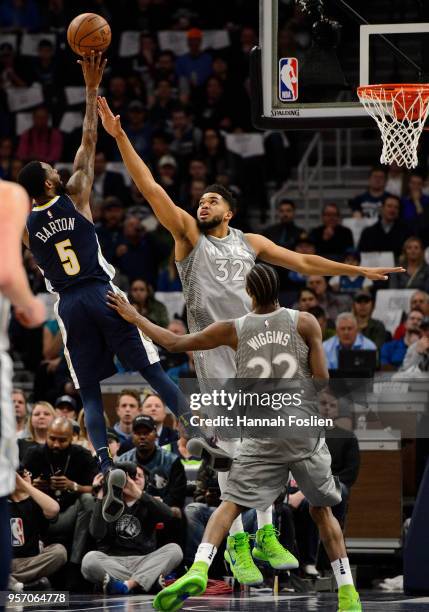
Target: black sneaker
x=113 y=504
x=216 y=458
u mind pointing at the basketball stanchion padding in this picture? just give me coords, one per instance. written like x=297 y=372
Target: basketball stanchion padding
x=400 y=111
x=416 y=548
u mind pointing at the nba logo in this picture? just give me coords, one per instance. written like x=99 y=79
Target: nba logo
x=17 y=532
x=288 y=79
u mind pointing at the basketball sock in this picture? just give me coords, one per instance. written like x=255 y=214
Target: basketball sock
x=95 y=424
x=341 y=568
x=5 y=547
x=165 y=387
x=265 y=517
x=237 y=526
x=206 y=552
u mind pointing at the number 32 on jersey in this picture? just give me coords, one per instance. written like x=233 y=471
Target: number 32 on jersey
x=227 y=269
x=68 y=257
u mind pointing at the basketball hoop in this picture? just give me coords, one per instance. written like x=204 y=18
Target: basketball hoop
x=400 y=112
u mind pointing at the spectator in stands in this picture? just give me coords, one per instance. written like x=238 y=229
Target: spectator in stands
x=285 y=232
x=396 y=178
x=127 y=408
x=184 y=370
x=42 y=415
x=344 y=449
x=186 y=137
x=127 y=559
x=167 y=478
x=107 y=183
x=416 y=359
x=392 y=353
x=118 y=95
x=170 y=360
x=416 y=275
x=214 y=152
x=66 y=406
x=296 y=280
x=19 y=16
x=109 y=229
x=331 y=238
x=12 y=69
x=389 y=232
x=414 y=203
x=420 y=301
x=141 y=296
x=46 y=71
x=363 y=306
x=154 y=407
x=138 y=130
x=206 y=499
x=163 y=106
x=319 y=313
x=30 y=510
x=41 y=141
x=307 y=299
x=168 y=277
x=350 y=284
x=368 y=204
x=196 y=190
x=213 y=109
x=65 y=471
x=330 y=303
x=19 y=401
x=195 y=66
x=347 y=337
x=137 y=254
x=168 y=176
x=52 y=372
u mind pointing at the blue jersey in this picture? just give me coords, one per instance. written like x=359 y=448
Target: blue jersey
x=65 y=245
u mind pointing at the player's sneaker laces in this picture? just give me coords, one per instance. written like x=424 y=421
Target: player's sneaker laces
x=113 y=504
x=193 y=583
x=348 y=599
x=239 y=558
x=269 y=550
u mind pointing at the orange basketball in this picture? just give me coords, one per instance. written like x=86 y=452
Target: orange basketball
x=89 y=31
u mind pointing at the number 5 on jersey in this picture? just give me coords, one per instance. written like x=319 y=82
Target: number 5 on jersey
x=68 y=257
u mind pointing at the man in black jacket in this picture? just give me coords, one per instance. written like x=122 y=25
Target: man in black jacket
x=127 y=558
x=331 y=238
x=389 y=233
x=65 y=471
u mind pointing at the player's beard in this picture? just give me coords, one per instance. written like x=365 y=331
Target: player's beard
x=205 y=226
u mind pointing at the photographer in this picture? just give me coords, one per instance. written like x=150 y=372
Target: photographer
x=30 y=512
x=127 y=559
x=65 y=472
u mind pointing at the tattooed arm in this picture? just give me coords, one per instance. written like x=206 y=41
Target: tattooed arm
x=80 y=183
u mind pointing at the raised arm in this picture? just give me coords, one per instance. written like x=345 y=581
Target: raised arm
x=180 y=223
x=311 y=264
x=80 y=184
x=309 y=329
x=14 y=208
x=222 y=333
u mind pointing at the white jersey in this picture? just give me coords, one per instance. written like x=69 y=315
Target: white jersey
x=213 y=276
x=8 y=444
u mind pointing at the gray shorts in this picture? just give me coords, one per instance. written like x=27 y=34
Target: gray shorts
x=261 y=472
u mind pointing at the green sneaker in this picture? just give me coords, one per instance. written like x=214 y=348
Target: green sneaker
x=269 y=550
x=193 y=583
x=239 y=558
x=348 y=599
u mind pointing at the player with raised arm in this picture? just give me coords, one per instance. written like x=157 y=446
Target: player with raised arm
x=61 y=235
x=260 y=471
x=213 y=260
x=30 y=312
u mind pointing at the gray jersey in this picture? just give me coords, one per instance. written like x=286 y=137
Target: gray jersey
x=213 y=278
x=269 y=346
x=8 y=445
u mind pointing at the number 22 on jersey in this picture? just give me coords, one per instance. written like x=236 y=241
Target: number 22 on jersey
x=68 y=257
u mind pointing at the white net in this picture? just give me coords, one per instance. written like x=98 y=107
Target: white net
x=400 y=113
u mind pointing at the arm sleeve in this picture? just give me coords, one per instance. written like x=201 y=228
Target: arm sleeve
x=97 y=525
x=177 y=486
x=351 y=462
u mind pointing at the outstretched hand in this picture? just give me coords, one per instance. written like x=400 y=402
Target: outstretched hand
x=111 y=123
x=380 y=273
x=122 y=307
x=92 y=68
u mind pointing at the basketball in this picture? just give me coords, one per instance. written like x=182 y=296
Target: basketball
x=88 y=32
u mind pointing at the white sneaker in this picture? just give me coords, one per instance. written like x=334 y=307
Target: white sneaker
x=310 y=570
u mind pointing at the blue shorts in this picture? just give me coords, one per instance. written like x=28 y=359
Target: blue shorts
x=93 y=334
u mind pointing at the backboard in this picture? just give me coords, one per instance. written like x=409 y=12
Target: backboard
x=313 y=54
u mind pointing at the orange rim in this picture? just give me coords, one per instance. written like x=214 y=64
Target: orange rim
x=411 y=90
